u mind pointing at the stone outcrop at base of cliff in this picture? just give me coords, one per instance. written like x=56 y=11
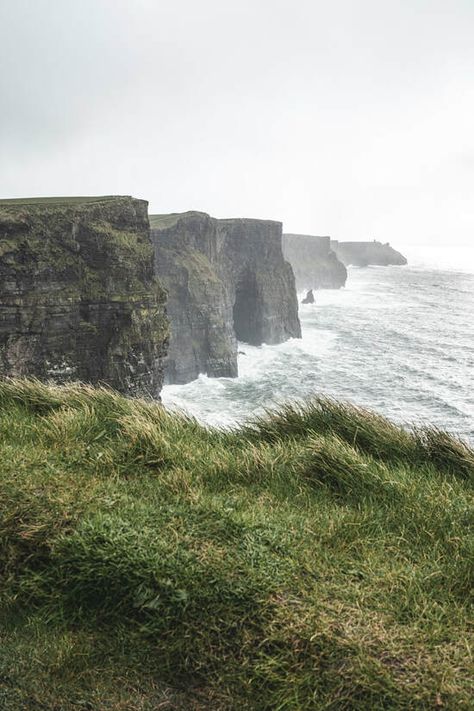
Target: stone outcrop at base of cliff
x=309 y=298
x=314 y=263
x=227 y=280
x=78 y=295
x=362 y=254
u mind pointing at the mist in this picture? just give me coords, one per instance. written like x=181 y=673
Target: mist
x=352 y=119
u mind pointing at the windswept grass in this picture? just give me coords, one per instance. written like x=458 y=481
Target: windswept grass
x=76 y=200
x=367 y=432
x=320 y=558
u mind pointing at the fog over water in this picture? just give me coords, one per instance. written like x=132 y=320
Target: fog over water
x=397 y=339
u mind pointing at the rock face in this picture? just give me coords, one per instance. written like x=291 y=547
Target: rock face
x=226 y=281
x=314 y=263
x=361 y=254
x=78 y=295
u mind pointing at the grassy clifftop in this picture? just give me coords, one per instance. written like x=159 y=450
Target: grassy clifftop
x=163 y=222
x=320 y=559
x=73 y=200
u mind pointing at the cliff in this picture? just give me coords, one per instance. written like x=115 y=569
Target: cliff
x=361 y=254
x=78 y=296
x=202 y=338
x=314 y=263
x=226 y=281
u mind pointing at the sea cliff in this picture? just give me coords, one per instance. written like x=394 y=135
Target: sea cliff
x=227 y=280
x=78 y=295
x=362 y=254
x=314 y=263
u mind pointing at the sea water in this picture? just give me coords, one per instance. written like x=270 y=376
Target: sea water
x=399 y=340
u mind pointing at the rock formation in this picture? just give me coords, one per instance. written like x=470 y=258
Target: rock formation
x=226 y=281
x=314 y=263
x=309 y=298
x=78 y=295
x=361 y=254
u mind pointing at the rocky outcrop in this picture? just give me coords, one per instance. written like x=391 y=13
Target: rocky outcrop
x=362 y=254
x=314 y=263
x=309 y=298
x=78 y=295
x=226 y=281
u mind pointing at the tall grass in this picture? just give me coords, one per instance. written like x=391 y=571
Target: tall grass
x=320 y=558
x=367 y=432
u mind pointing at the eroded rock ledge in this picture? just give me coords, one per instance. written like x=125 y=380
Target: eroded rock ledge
x=314 y=263
x=78 y=295
x=227 y=280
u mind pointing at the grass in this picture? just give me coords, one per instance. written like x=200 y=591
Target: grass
x=78 y=200
x=320 y=558
x=162 y=222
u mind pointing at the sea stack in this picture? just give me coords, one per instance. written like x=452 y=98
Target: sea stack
x=227 y=281
x=78 y=295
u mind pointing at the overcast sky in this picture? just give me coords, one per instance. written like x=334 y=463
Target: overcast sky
x=353 y=118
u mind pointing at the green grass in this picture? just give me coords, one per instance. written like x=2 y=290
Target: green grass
x=162 y=222
x=321 y=558
x=13 y=202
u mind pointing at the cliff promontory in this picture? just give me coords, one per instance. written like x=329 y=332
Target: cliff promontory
x=362 y=254
x=314 y=263
x=78 y=295
x=227 y=280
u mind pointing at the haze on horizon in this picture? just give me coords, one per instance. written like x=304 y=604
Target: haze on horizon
x=348 y=118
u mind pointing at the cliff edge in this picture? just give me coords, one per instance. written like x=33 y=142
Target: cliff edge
x=78 y=295
x=227 y=280
x=315 y=264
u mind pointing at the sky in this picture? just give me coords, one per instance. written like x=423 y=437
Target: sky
x=352 y=118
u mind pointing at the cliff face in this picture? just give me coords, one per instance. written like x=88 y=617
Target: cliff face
x=361 y=254
x=314 y=263
x=226 y=280
x=262 y=283
x=199 y=306
x=78 y=295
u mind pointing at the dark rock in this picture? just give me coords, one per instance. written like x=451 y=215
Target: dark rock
x=362 y=254
x=226 y=281
x=78 y=295
x=309 y=298
x=314 y=263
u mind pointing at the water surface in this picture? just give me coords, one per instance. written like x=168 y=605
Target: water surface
x=396 y=339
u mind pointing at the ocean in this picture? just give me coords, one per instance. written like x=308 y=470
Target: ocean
x=399 y=340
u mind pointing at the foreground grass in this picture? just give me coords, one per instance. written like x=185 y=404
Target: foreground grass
x=321 y=558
